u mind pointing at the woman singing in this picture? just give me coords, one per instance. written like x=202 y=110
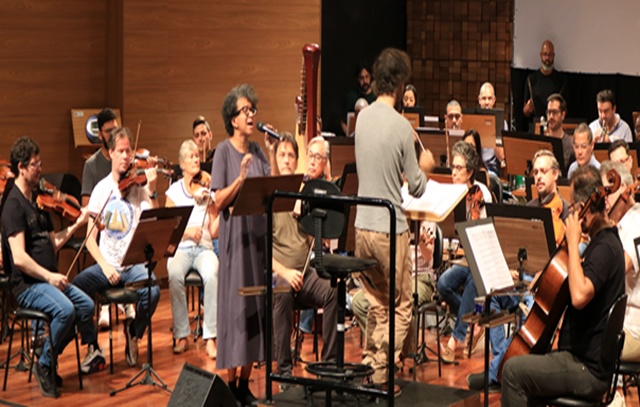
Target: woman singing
x=195 y=250
x=242 y=251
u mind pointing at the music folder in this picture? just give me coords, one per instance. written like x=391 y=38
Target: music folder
x=254 y=193
x=484 y=255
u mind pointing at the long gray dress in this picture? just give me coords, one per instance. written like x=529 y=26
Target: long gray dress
x=242 y=263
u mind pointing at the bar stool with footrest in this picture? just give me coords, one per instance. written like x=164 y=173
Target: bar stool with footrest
x=115 y=296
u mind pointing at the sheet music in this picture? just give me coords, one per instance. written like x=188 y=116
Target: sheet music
x=438 y=199
x=489 y=257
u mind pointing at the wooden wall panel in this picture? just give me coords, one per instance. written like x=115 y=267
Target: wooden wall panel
x=51 y=60
x=181 y=59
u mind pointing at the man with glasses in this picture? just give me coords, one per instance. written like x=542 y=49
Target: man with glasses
x=318 y=166
x=583 y=148
x=619 y=152
x=29 y=250
x=609 y=127
x=556 y=112
x=542 y=83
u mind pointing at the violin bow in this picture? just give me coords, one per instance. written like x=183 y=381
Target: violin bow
x=137 y=136
x=84 y=242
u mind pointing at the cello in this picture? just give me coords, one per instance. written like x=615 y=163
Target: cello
x=551 y=293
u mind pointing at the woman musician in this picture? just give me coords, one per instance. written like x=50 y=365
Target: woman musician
x=195 y=250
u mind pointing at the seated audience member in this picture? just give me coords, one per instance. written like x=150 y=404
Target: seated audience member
x=121 y=212
x=546 y=172
x=626 y=215
x=619 y=152
x=195 y=250
x=583 y=148
x=410 y=96
x=363 y=90
x=290 y=253
x=466 y=163
x=595 y=282
x=556 y=113
x=609 y=127
x=29 y=251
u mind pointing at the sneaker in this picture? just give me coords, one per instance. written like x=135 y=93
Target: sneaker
x=129 y=311
x=43 y=376
x=477 y=340
x=131 y=347
x=103 y=321
x=93 y=362
x=447 y=354
x=475 y=381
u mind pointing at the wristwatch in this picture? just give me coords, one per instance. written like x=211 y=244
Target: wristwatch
x=154 y=196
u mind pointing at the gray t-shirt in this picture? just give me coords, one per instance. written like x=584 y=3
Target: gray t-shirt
x=95 y=169
x=384 y=151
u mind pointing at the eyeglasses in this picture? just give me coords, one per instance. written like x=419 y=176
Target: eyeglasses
x=248 y=111
x=452 y=116
x=458 y=167
x=542 y=171
x=553 y=112
x=36 y=164
x=316 y=157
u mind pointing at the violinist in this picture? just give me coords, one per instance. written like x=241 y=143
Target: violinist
x=595 y=283
x=29 y=251
x=625 y=212
x=95 y=169
x=120 y=218
x=195 y=250
x=619 y=152
x=466 y=162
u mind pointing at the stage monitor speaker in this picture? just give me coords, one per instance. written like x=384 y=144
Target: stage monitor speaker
x=197 y=387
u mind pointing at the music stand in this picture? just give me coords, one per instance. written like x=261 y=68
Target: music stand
x=158 y=234
x=254 y=193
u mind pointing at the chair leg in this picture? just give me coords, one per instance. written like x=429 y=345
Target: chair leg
x=110 y=341
x=6 y=366
x=75 y=327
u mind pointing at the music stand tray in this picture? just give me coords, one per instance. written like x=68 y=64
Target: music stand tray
x=157 y=235
x=254 y=193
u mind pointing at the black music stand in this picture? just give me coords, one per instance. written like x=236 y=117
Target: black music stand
x=158 y=234
x=255 y=192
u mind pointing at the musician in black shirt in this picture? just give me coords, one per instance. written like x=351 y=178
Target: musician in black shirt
x=594 y=285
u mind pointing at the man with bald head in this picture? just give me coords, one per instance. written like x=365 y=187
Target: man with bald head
x=542 y=83
x=490 y=156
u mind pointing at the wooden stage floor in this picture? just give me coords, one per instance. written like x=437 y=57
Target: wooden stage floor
x=168 y=366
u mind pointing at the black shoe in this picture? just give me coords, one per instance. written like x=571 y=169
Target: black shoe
x=475 y=381
x=43 y=376
x=245 y=397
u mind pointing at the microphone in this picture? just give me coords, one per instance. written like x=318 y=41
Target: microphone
x=262 y=127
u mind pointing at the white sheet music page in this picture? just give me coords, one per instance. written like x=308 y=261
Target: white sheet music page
x=489 y=257
x=437 y=201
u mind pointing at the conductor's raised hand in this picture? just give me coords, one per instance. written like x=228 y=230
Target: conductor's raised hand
x=427 y=163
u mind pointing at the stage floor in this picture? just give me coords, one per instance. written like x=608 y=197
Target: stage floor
x=413 y=394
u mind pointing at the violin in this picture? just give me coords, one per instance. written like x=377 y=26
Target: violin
x=198 y=185
x=5 y=174
x=144 y=155
x=623 y=203
x=551 y=292
x=50 y=199
x=475 y=202
x=136 y=175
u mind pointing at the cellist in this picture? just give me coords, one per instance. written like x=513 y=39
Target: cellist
x=546 y=171
x=595 y=283
x=624 y=212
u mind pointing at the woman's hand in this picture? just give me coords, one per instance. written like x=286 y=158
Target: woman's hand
x=245 y=165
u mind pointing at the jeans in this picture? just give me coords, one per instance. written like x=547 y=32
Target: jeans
x=448 y=284
x=92 y=280
x=205 y=262
x=65 y=308
x=499 y=341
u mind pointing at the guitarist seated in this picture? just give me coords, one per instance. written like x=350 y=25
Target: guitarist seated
x=594 y=285
x=546 y=171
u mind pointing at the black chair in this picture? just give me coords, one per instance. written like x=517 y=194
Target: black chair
x=612 y=343
x=115 y=296
x=23 y=316
x=327 y=221
x=192 y=281
x=630 y=372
